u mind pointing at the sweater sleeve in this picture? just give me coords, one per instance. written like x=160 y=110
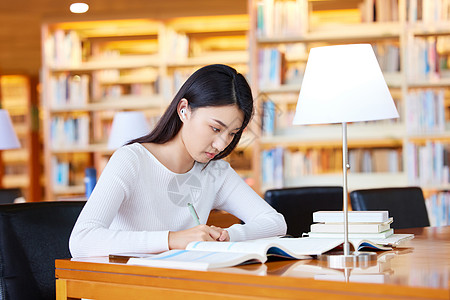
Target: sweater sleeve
x=239 y=199
x=91 y=235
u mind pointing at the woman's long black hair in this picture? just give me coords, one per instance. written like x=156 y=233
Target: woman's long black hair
x=213 y=85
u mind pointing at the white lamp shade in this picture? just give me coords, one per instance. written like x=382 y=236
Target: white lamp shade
x=126 y=126
x=8 y=138
x=343 y=83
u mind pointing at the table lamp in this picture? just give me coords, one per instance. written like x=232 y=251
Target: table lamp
x=126 y=126
x=8 y=138
x=343 y=84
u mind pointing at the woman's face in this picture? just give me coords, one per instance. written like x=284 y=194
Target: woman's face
x=207 y=131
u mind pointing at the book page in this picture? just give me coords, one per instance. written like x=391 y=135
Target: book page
x=297 y=247
x=287 y=247
x=252 y=246
x=196 y=260
x=391 y=241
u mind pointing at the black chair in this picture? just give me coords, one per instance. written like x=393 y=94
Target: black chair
x=298 y=204
x=405 y=204
x=32 y=236
x=9 y=195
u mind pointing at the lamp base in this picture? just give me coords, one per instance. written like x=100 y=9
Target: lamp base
x=338 y=260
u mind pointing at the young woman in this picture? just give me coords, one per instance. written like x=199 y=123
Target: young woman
x=140 y=201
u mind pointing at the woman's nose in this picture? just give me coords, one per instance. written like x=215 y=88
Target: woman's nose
x=221 y=142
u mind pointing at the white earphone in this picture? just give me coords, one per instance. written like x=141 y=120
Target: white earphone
x=183 y=113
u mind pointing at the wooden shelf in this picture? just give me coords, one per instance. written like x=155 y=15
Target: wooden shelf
x=341 y=33
x=109 y=28
x=132 y=62
x=15 y=156
x=355 y=180
x=392 y=80
x=423 y=138
x=240 y=57
x=129 y=80
x=431 y=29
x=359 y=135
x=442 y=82
x=211 y=24
x=285 y=88
x=132 y=102
x=65 y=190
x=14 y=181
x=292 y=142
x=93 y=148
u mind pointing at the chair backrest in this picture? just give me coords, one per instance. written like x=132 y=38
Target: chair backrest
x=9 y=195
x=32 y=236
x=405 y=204
x=298 y=204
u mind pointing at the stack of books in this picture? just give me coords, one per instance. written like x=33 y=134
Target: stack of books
x=361 y=224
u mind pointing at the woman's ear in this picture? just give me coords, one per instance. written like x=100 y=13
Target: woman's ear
x=183 y=109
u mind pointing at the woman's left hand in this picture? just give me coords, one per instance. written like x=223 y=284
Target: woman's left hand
x=224 y=236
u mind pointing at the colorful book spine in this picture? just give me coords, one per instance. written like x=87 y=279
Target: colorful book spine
x=63 y=49
x=273 y=168
x=282 y=18
x=438 y=208
x=425 y=111
x=268 y=118
x=270 y=68
x=428 y=164
x=422 y=60
x=428 y=11
x=66 y=90
x=69 y=132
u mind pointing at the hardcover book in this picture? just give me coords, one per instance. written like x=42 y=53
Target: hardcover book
x=368 y=216
x=352 y=227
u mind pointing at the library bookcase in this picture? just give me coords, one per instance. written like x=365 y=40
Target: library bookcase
x=411 y=41
x=93 y=69
x=21 y=168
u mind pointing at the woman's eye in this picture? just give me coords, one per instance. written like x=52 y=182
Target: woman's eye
x=215 y=129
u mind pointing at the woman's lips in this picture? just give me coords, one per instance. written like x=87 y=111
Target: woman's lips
x=210 y=155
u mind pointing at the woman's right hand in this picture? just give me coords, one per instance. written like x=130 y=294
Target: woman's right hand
x=180 y=239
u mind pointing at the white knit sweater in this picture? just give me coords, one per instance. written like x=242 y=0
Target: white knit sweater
x=137 y=201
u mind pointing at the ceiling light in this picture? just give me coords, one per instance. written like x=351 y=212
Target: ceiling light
x=79 y=8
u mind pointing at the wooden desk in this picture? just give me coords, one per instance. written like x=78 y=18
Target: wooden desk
x=421 y=271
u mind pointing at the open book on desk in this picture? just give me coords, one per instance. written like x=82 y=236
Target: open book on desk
x=209 y=255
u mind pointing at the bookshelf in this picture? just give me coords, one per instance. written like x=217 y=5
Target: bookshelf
x=21 y=167
x=411 y=41
x=93 y=69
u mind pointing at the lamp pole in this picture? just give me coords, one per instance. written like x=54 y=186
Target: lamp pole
x=345 y=167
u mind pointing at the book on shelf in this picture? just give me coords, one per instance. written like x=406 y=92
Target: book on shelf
x=272 y=167
x=209 y=255
x=282 y=18
x=428 y=164
x=361 y=227
x=268 y=119
x=438 y=208
x=371 y=216
x=429 y=12
x=426 y=111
